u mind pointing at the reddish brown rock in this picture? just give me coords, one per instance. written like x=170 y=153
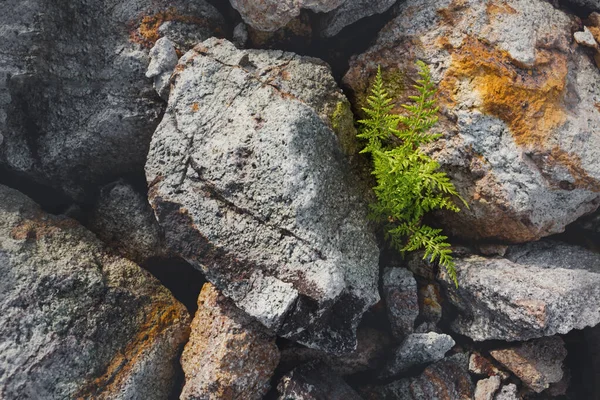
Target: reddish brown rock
x=228 y=356
x=537 y=363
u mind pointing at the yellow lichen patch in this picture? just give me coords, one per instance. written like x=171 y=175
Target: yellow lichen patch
x=195 y=107
x=450 y=13
x=157 y=320
x=39 y=226
x=527 y=100
x=147 y=33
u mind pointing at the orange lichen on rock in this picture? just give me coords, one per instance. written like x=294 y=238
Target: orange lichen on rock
x=499 y=8
x=529 y=101
x=147 y=33
x=157 y=322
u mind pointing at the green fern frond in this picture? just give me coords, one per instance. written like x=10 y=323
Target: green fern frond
x=409 y=183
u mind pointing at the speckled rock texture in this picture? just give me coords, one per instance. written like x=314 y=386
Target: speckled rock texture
x=401 y=299
x=75 y=321
x=447 y=379
x=520 y=109
x=314 y=381
x=250 y=184
x=416 y=350
x=537 y=363
x=228 y=356
x=486 y=388
x=76 y=110
x=123 y=219
x=538 y=289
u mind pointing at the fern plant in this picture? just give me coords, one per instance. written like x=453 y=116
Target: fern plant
x=409 y=183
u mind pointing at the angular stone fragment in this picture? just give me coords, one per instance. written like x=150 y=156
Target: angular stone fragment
x=248 y=180
x=418 y=349
x=538 y=289
x=519 y=102
x=123 y=219
x=76 y=110
x=537 y=363
x=75 y=320
x=448 y=379
x=480 y=365
x=163 y=59
x=401 y=300
x=228 y=355
x=314 y=381
x=487 y=388
x=350 y=12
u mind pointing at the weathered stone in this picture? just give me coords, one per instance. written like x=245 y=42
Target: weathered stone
x=487 y=388
x=537 y=363
x=586 y=38
x=249 y=183
x=270 y=15
x=296 y=34
x=75 y=321
x=508 y=392
x=314 y=381
x=371 y=353
x=228 y=356
x=123 y=219
x=76 y=110
x=519 y=109
x=445 y=380
x=480 y=365
x=400 y=294
x=163 y=59
x=418 y=349
x=350 y=12
x=538 y=289
x=240 y=35
x=430 y=305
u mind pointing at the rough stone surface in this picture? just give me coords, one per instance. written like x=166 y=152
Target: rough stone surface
x=314 y=381
x=448 y=379
x=539 y=289
x=591 y=5
x=123 y=219
x=371 y=353
x=537 y=363
x=479 y=365
x=519 y=109
x=400 y=294
x=430 y=305
x=270 y=15
x=75 y=321
x=508 y=392
x=487 y=388
x=418 y=349
x=75 y=107
x=585 y=38
x=228 y=355
x=249 y=182
x=163 y=59
x=350 y=12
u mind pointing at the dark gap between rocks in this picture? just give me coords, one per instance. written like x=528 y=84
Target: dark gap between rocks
x=182 y=279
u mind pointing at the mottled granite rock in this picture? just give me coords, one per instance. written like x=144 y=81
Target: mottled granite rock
x=538 y=289
x=251 y=185
x=537 y=363
x=401 y=300
x=519 y=109
x=75 y=320
x=228 y=356
x=487 y=388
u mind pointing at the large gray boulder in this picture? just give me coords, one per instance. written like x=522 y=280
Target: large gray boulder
x=76 y=321
x=250 y=185
x=75 y=107
x=519 y=109
x=538 y=289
